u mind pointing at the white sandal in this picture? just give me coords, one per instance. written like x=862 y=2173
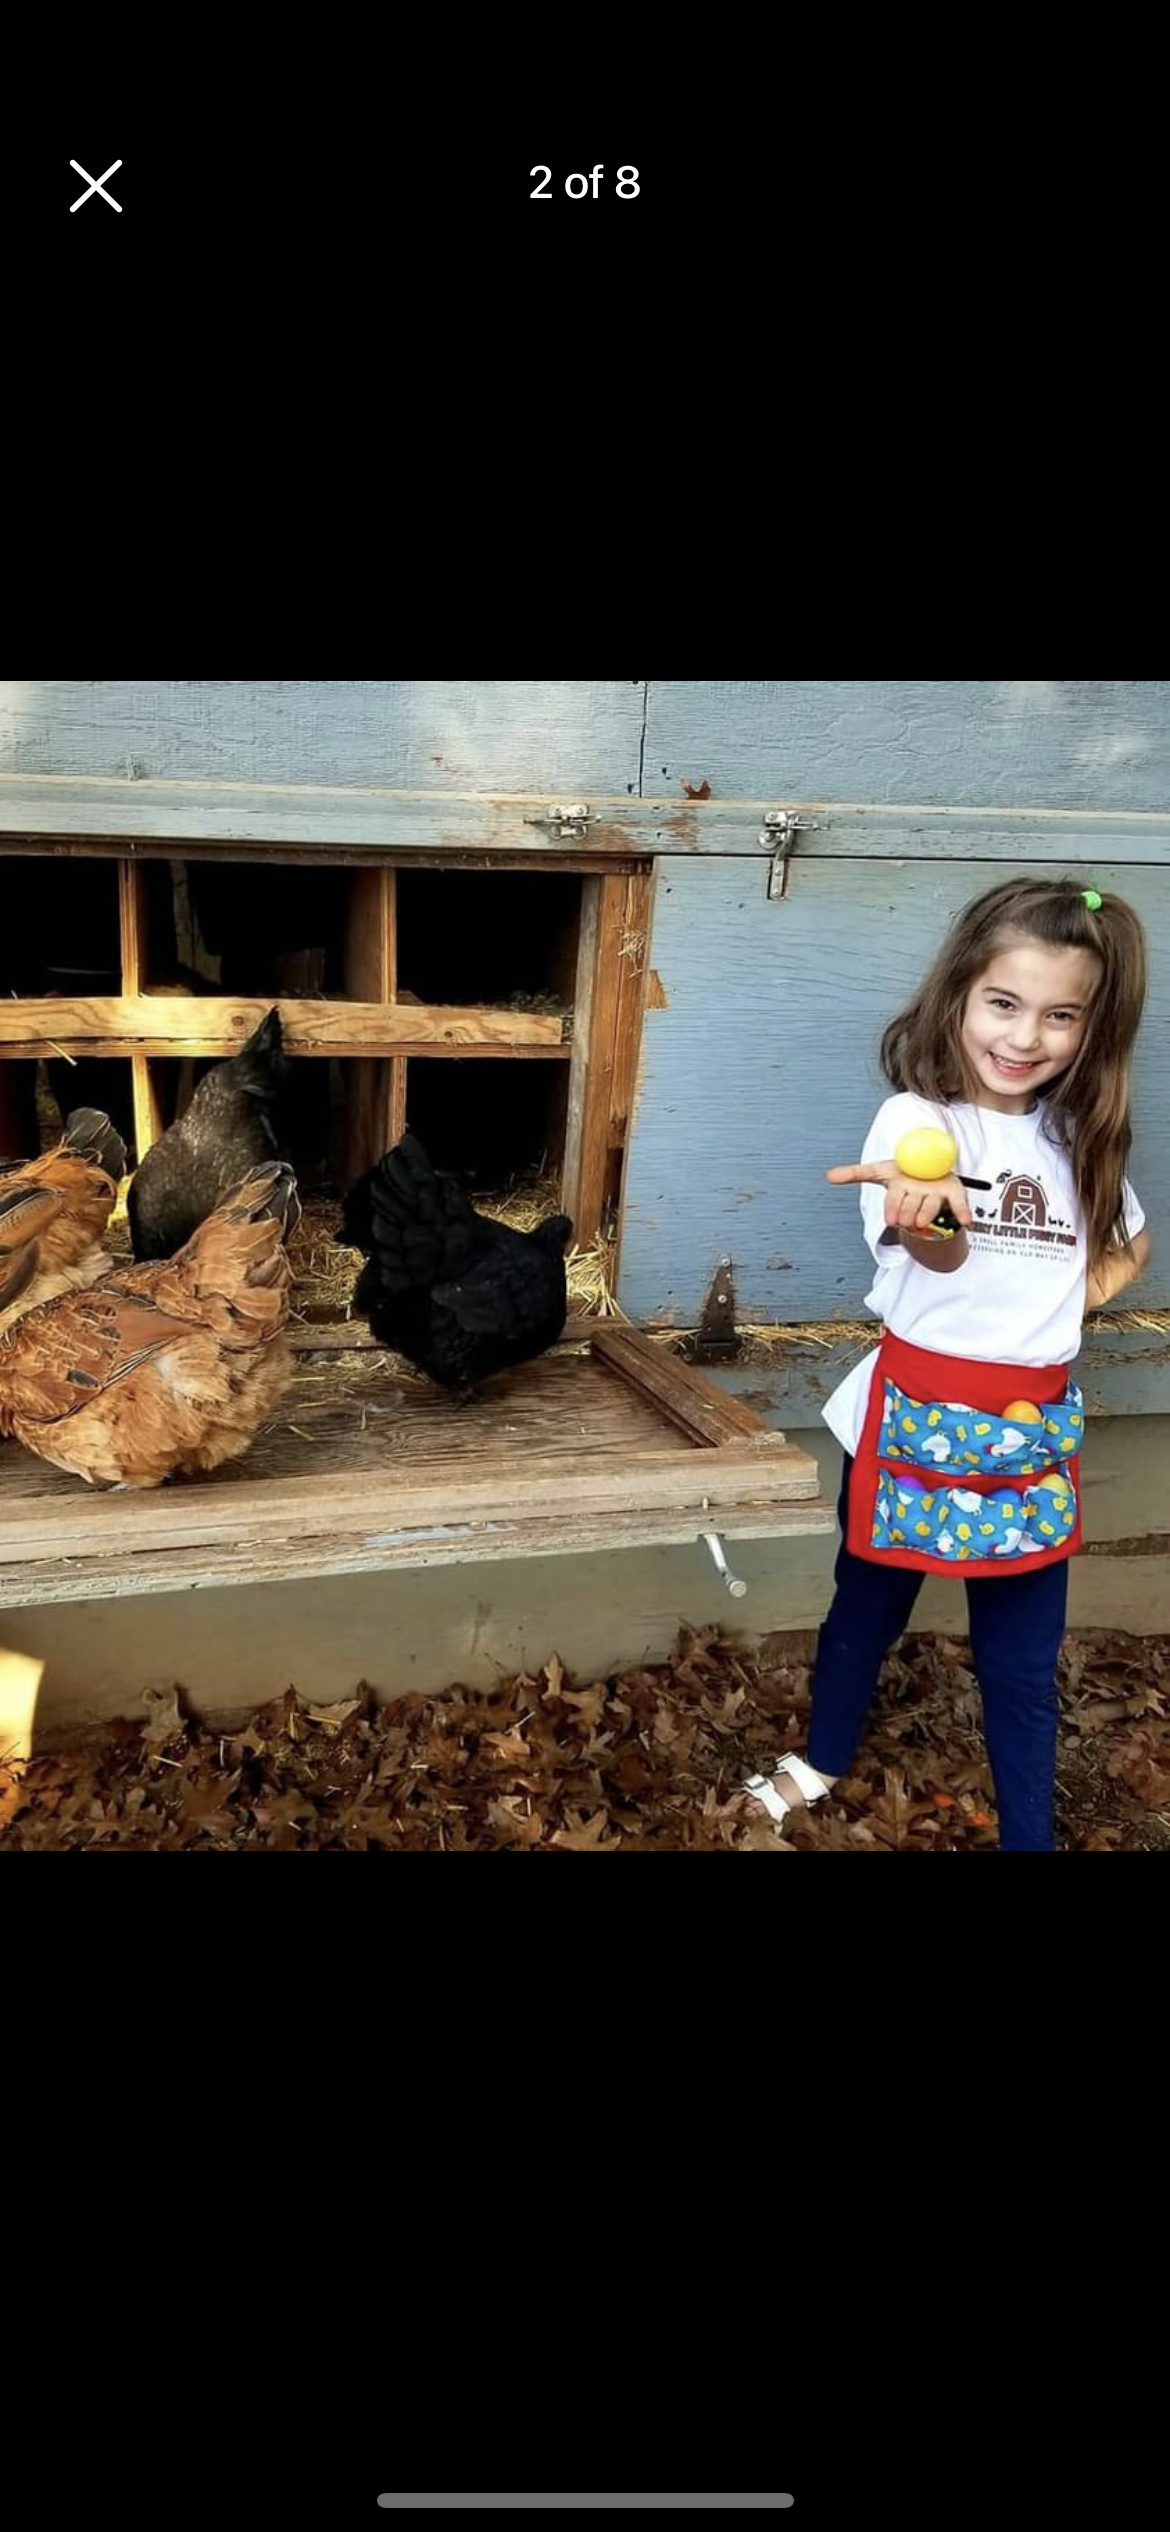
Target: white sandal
x=810 y=1786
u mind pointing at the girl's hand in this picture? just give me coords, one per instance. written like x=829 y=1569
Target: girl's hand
x=1117 y=1271
x=911 y=1203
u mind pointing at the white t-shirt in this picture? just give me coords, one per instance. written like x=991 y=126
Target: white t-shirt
x=1019 y=1296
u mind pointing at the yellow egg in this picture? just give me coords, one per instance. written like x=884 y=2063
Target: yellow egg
x=926 y=1152
x=1022 y=1411
x=1057 y=1483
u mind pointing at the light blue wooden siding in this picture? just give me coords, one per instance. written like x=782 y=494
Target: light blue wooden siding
x=1050 y=744
x=565 y=737
x=921 y=769
x=1124 y=1372
x=931 y=742
x=761 y=1072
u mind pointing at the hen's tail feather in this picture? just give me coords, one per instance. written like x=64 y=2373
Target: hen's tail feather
x=267 y=1194
x=89 y=1133
x=234 y=1274
x=422 y=1226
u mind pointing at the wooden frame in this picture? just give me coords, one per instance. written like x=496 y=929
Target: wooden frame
x=607 y=1442
x=596 y=1040
x=234 y=821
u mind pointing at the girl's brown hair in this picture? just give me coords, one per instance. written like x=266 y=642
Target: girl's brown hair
x=1086 y=1108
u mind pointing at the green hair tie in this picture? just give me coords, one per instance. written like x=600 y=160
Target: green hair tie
x=1092 y=900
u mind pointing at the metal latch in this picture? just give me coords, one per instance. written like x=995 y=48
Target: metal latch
x=731 y=1582
x=571 y=821
x=780 y=829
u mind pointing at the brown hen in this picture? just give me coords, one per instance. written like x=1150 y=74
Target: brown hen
x=167 y=1369
x=53 y=1215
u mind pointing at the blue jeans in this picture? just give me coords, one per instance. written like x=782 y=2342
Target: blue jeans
x=1017 y=1625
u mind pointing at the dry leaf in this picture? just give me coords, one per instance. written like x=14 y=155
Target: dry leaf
x=508 y=1748
x=164 y=1720
x=202 y=1800
x=651 y=1761
x=587 y=1837
x=332 y=1718
x=589 y=1703
x=518 y=1826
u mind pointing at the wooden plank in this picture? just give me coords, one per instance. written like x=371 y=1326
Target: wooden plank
x=368 y=1414
x=397 y=1103
x=393 y=1118
x=582 y=1026
x=760 y=1072
x=132 y=920
x=368 y=964
x=202 y=1516
x=633 y=994
x=104 y=1577
x=369 y=977
x=463 y=734
x=23 y=846
x=148 y=1124
x=288 y=819
x=312 y=823
x=677 y=1389
x=169 y=1024
x=594 y=1082
x=368 y=1130
x=633 y=976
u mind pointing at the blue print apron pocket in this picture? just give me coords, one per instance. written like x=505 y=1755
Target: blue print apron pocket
x=951 y=1441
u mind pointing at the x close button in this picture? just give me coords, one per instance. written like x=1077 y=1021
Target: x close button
x=95 y=184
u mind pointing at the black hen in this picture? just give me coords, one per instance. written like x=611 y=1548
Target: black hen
x=459 y=1295
x=228 y=1130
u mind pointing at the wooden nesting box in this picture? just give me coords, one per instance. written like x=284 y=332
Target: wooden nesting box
x=477 y=967
x=527 y=976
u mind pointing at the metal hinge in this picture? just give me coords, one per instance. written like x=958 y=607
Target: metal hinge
x=716 y=1339
x=571 y=821
x=780 y=829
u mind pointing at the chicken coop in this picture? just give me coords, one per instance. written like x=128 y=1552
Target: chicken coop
x=618 y=949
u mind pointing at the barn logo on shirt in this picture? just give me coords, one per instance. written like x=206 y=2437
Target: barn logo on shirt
x=1023 y=1201
x=1019 y=1214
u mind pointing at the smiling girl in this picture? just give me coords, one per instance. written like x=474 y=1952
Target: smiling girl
x=962 y=1432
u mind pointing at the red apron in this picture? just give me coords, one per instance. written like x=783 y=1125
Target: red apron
x=988 y=1388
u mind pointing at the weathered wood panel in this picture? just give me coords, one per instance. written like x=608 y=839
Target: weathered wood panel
x=761 y=1071
x=1011 y=743
x=476 y=734
x=1123 y=1372
x=63 y=814
x=594 y=1051
x=366 y=1462
x=452 y=1544
x=1056 y=743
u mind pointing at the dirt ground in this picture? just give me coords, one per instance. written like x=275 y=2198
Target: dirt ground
x=649 y=1759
